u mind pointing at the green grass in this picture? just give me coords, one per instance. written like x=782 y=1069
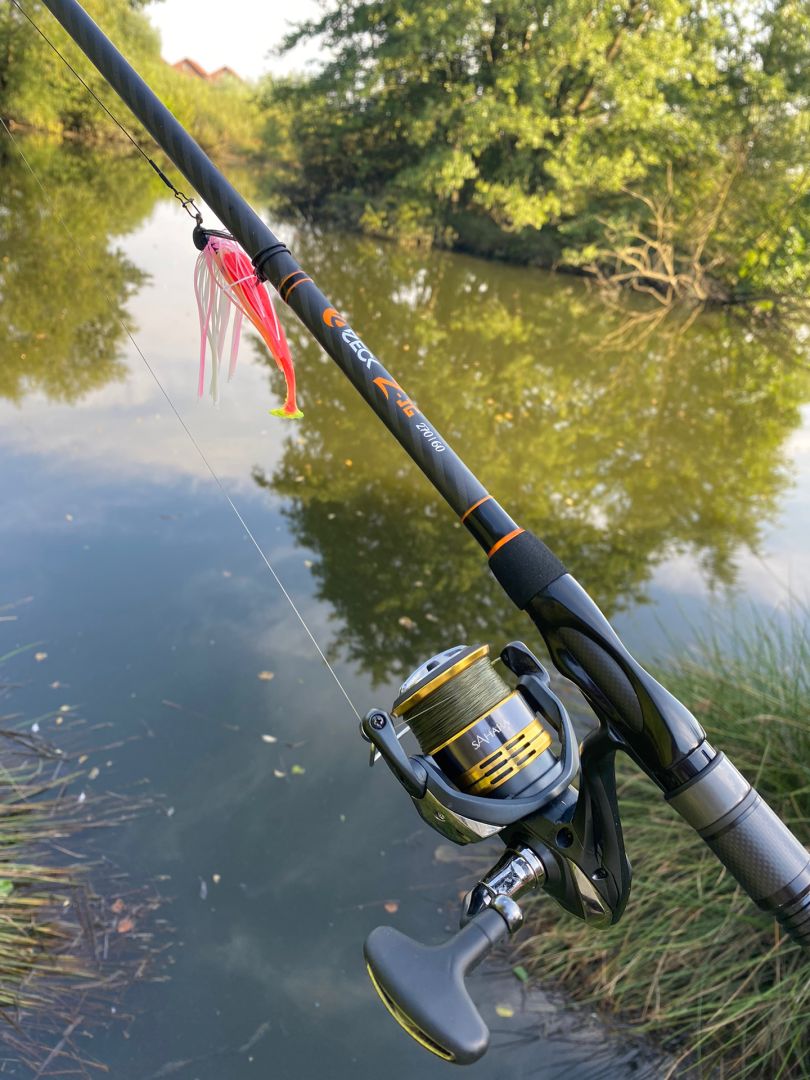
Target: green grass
x=693 y=961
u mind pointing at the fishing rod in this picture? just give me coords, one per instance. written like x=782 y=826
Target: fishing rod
x=498 y=757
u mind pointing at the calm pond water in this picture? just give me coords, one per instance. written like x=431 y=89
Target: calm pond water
x=669 y=468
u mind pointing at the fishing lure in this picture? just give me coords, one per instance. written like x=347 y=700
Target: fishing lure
x=225 y=278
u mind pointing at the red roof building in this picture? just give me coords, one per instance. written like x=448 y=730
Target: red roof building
x=190 y=67
x=224 y=72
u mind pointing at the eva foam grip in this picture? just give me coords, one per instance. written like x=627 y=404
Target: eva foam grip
x=524 y=567
x=752 y=842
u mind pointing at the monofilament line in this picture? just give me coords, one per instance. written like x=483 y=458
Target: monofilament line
x=185 y=426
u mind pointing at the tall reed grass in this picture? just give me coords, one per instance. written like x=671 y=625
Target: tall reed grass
x=74 y=932
x=693 y=961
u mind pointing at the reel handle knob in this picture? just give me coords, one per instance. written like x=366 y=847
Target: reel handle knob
x=423 y=988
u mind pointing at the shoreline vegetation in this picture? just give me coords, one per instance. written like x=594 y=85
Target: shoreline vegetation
x=692 y=962
x=660 y=149
x=75 y=932
x=38 y=93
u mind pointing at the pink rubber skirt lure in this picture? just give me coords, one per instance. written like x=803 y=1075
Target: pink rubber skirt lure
x=225 y=278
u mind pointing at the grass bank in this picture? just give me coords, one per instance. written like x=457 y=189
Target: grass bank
x=692 y=961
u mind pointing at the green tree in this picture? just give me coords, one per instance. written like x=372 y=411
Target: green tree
x=38 y=90
x=662 y=145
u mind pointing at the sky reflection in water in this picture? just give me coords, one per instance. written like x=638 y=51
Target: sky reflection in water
x=659 y=470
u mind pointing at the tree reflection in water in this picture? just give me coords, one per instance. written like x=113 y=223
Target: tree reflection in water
x=619 y=457
x=59 y=333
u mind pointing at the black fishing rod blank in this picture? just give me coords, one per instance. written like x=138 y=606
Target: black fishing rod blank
x=504 y=766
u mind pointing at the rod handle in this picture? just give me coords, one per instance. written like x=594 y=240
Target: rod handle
x=751 y=841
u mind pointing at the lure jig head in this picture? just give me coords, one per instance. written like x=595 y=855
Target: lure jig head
x=489 y=765
x=225 y=278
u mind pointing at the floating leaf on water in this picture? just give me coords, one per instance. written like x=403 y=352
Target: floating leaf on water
x=82 y=759
x=298 y=770
x=265 y=676
x=504 y=1011
x=391 y=906
x=407 y=622
x=172 y=1067
x=64 y=708
x=93 y=774
x=256 y=1037
x=216 y=878
x=55 y=685
x=40 y=656
x=520 y=972
x=125 y=925
x=308 y=563
x=269 y=738
x=348 y=462
x=279 y=774
x=169 y=811
x=431 y=617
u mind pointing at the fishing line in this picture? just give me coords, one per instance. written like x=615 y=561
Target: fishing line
x=441 y=715
x=183 y=424
x=184 y=200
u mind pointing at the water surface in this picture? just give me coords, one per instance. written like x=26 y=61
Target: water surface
x=669 y=468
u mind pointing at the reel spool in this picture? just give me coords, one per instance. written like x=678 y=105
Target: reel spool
x=479 y=732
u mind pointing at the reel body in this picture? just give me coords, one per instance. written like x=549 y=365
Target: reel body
x=507 y=747
x=493 y=759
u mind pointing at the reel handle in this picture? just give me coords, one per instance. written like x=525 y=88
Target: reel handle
x=423 y=988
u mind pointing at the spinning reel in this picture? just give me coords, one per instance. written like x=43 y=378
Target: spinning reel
x=494 y=759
